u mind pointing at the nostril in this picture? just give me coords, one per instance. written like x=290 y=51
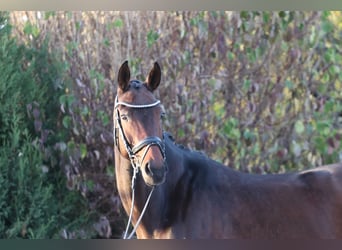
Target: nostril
x=148 y=170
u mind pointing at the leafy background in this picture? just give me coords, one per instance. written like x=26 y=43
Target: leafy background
x=257 y=91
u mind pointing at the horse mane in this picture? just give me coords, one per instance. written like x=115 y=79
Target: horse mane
x=169 y=137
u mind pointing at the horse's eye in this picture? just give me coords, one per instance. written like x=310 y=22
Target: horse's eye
x=124 y=117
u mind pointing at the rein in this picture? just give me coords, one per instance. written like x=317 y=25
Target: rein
x=145 y=143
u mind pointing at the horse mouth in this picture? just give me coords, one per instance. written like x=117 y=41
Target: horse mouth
x=154 y=182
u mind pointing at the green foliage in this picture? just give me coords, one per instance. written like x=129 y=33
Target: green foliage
x=152 y=37
x=31 y=205
x=31 y=29
x=34 y=200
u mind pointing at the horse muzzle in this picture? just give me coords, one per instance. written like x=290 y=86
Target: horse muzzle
x=153 y=161
x=154 y=174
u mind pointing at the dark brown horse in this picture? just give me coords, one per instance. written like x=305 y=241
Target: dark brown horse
x=196 y=197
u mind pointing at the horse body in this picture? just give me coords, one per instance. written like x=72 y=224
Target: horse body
x=204 y=199
x=197 y=197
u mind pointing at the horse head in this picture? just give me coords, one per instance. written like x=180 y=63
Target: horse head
x=138 y=128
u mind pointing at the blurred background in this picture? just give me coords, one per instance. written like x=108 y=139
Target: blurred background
x=260 y=92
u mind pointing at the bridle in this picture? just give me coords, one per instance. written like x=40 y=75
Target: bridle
x=132 y=151
x=147 y=142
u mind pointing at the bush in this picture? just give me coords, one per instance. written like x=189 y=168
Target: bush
x=32 y=205
x=34 y=200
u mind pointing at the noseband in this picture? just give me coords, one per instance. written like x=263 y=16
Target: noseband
x=132 y=151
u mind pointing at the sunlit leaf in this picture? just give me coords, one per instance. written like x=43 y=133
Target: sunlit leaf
x=152 y=37
x=66 y=121
x=83 y=150
x=118 y=23
x=299 y=127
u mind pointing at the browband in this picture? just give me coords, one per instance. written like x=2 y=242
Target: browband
x=117 y=103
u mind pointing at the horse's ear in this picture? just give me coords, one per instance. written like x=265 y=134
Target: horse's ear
x=153 y=78
x=124 y=76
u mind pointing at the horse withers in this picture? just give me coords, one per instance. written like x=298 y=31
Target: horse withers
x=196 y=197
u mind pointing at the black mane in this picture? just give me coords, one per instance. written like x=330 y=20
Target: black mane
x=170 y=137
